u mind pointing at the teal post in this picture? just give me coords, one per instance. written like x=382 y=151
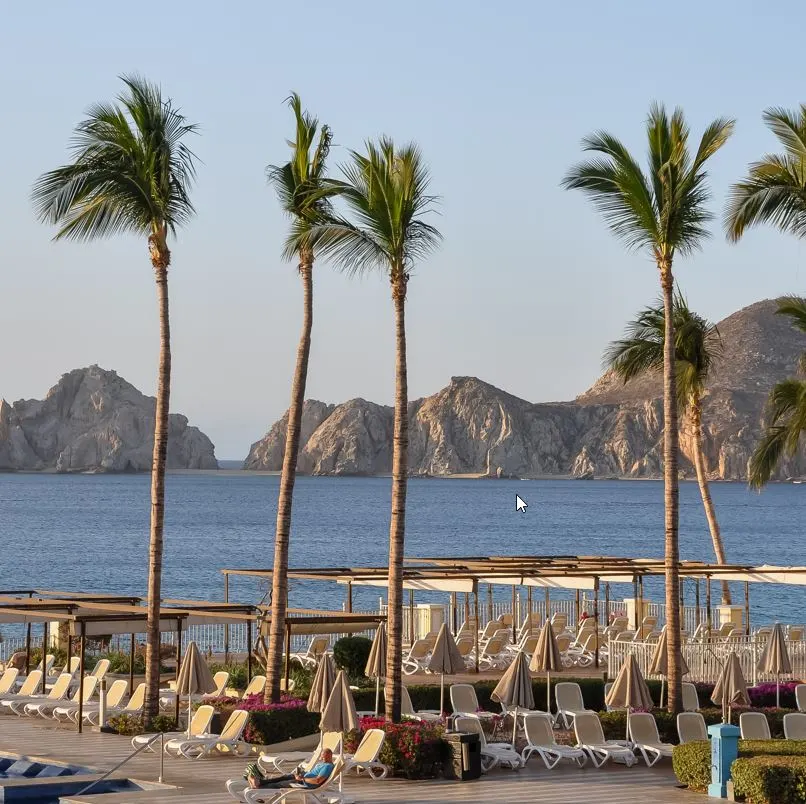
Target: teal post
x=724 y=749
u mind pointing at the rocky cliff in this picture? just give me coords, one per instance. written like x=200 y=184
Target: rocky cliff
x=611 y=430
x=93 y=420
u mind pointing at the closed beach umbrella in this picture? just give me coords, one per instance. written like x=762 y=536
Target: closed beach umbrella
x=514 y=690
x=629 y=690
x=445 y=660
x=376 y=664
x=322 y=684
x=731 y=688
x=775 y=659
x=194 y=677
x=547 y=659
x=660 y=662
x=339 y=713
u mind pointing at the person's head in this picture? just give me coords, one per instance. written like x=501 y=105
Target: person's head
x=327 y=755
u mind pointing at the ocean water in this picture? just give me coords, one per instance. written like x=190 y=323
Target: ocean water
x=90 y=532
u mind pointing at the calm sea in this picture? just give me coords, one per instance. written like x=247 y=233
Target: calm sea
x=90 y=532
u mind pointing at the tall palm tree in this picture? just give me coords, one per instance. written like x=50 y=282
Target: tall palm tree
x=774 y=192
x=662 y=213
x=697 y=347
x=303 y=196
x=131 y=172
x=386 y=190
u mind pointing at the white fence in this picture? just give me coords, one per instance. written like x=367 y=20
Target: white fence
x=706 y=659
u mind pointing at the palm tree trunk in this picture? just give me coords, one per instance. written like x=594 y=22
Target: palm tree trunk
x=279 y=585
x=695 y=411
x=160 y=259
x=397 y=525
x=671 y=491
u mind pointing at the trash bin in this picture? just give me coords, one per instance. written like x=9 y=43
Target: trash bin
x=466 y=755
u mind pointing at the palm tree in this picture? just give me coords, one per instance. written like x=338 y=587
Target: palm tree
x=697 y=347
x=662 y=213
x=131 y=172
x=774 y=192
x=304 y=198
x=386 y=190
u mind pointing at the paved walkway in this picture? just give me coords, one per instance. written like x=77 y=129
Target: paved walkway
x=202 y=781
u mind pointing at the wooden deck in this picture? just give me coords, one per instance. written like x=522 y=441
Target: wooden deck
x=202 y=781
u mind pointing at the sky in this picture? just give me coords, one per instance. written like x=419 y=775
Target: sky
x=528 y=286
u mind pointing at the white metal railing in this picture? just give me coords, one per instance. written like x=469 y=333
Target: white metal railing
x=705 y=660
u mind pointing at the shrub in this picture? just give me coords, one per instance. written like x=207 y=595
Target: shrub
x=271 y=723
x=412 y=749
x=763 y=695
x=130 y=725
x=770 y=779
x=351 y=654
x=119 y=662
x=237 y=673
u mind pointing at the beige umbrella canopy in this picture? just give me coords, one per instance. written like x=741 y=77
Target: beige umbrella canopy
x=339 y=713
x=629 y=690
x=660 y=662
x=731 y=688
x=322 y=684
x=194 y=677
x=775 y=659
x=514 y=690
x=547 y=659
x=376 y=663
x=445 y=660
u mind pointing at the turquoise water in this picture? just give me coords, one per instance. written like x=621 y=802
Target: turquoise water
x=90 y=532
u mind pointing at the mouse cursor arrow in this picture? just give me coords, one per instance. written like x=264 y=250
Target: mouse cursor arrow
x=520 y=505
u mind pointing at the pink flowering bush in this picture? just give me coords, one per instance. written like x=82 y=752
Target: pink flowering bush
x=412 y=748
x=764 y=694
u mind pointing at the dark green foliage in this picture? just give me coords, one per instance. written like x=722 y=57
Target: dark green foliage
x=268 y=727
x=770 y=779
x=119 y=662
x=237 y=673
x=351 y=654
x=130 y=725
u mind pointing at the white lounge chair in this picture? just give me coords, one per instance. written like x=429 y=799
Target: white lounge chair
x=366 y=756
x=8 y=680
x=324 y=794
x=464 y=702
x=199 y=725
x=754 y=726
x=492 y=754
x=494 y=656
x=114 y=696
x=795 y=726
x=691 y=727
x=691 y=702
x=407 y=708
x=282 y=763
x=800 y=697
x=643 y=731
x=83 y=693
x=255 y=687
x=416 y=660
x=230 y=740
x=27 y=690
x=591 y=739
x=568 y=697
x=221 y=679
x=58 y=692
x=101 y=669
x=133 y=707
x=540 y=740
x=310 y=658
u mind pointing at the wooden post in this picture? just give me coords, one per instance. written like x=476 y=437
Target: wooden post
x=529 y=607
x=697 y=603
x=248 y=651
x=27 y=649
x=548 y=603
x=287 y=654
x=514 y=618
x=82 y=647
x=641 y=604
x=131 y=666
x=489 y=601
x=576 y=608
x=476 y=629
x=226 y=625
x=747 y=608
x=595 y=621
x=708 y=622
x=411 y=617
x=44 y=656
x=349 y=597
x=467 y=609
x=607 y=603
x=178 y=664
x=454 y=613
x=69 y=649
x=635 y=602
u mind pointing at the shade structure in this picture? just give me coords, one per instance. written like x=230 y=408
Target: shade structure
x=445 y=660
x=376 y=663
x=629 y=690
x=775 y=659
x=339 y=713
x=660 y=662
x=546 y=658
x=731 y=688
x=194 y=677
x=514 y=690
x=322 y=684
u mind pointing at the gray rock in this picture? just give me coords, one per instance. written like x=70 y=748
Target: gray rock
x=93 y=420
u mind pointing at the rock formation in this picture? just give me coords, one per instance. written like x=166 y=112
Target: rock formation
x=611 y=430
x=93 y=420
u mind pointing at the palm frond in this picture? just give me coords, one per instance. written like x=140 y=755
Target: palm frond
x=766 y=457
x=794 y=307
x=789 y=128
x=131 y=170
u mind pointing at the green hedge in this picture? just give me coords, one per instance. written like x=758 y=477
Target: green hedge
x=266 y=728
x=692 y=762
x=770 y=779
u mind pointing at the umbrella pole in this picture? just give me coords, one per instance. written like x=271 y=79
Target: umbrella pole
x=627 y=731
x=377 y=694
x=190 y=706
x=548 y=691
x=441 y=693
x=514 y=725
x=777 y=690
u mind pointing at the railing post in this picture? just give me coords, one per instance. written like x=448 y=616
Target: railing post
x=162 y=757
x=102 y=704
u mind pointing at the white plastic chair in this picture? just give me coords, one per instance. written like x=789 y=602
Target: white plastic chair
x=492 y=754
x=591 y=739
x=540 y=740
x=310 y=658
x=230 y=740
x=416 y=661
x=691 y=727
x=754 y=726
x=282 y=763
x=464 y=702
x=324 y=794
x=795 y=726
x=568 y=697
x=643 y=730
x=691 y=702
x=58 y=692
x=366 y=755
x=199 y=725
x=113 y=698
x=800 y=697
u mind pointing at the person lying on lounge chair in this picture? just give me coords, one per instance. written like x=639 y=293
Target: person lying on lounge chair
x=314 y=778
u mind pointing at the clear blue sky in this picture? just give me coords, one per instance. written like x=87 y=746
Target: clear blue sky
x=528 y=286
